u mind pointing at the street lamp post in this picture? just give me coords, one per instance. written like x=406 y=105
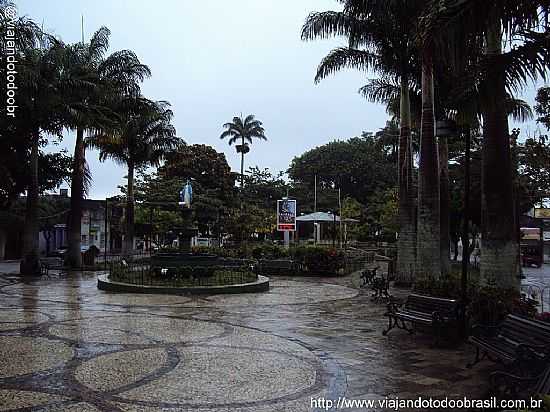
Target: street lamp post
x=466 y=218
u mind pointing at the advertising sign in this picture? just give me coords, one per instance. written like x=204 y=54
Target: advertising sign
x=286 y=215
x=542 y=213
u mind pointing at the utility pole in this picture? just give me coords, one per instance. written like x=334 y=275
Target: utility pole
x=315 y=196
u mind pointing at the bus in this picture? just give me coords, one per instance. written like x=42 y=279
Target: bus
x=531 y=247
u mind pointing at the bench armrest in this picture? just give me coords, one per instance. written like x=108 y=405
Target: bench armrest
x=527 y=351
x=393 y=305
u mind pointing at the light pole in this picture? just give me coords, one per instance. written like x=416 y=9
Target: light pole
x=466 y=218
x=514 y=143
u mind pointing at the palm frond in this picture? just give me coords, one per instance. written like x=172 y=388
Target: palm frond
x=344 y=57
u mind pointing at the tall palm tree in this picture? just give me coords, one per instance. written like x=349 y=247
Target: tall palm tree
x=498 y=70
x=428 y=249
x=380 y=38
x=243 y=130
x=141 y=137
x=42 y=107
x=111 y=77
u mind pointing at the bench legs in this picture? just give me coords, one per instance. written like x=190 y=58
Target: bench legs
x=394 y=322
x=479 y=358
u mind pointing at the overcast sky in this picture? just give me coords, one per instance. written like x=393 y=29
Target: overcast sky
x=214 y=59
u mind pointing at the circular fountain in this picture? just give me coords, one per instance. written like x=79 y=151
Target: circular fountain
x=182 y=271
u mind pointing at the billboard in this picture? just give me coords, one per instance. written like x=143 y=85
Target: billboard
x=286 y=215
x=542 y=213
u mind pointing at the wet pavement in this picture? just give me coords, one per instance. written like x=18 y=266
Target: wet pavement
x=67 y=346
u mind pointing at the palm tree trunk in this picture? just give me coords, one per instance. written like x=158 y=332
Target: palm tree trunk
x=444 y=207
x=242 y=164
x=74 y=257
x=406 y=242
x=499 y=244
x=130 y=232
x=30 y=265
x=428 y=262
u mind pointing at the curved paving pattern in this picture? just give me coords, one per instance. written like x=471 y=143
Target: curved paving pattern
x=22 y=355
x=65 y=346
x=86 y=292
x=89 y=353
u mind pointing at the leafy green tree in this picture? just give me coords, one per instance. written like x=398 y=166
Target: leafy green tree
x=53 y=169
x=203 y=165
x=213 y=189
x=542 y=107
x=534 y=171
x=263 y=188
x=358 y=166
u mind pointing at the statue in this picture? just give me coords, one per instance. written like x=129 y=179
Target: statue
x=186 y=195
x=187 y=231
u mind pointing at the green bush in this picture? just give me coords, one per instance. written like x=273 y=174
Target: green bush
x=318 y=260
x=491 y=305
x=487 y=305
x=201 y=250
x=269 y=251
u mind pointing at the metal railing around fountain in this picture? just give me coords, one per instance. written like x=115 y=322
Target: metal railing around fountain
x=146 y=274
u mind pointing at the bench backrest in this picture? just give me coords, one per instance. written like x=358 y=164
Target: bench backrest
x=523 y=330
x=430 y=304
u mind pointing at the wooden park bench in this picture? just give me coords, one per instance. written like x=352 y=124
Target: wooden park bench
x=50 y=263
x=427 y=311
x=367 y=275
x=516 y=341
x=511 y=386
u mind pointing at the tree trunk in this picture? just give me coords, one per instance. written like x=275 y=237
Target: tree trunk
x=47 y=237
x=242 y=165
x=444 y=207
x=30 y=265
x=406 y=242
x=130 y=232
x=428 y=261
x=499 y=243
x=74 y=257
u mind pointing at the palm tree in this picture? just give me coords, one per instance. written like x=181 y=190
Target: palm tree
x=141 y=137
x=381 y=38
x=490 y=22
x=243 y=130
x=109 y=78
x=41 y=110
x=428 y=248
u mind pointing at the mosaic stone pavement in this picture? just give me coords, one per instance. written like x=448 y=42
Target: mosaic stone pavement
x=66 y=346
